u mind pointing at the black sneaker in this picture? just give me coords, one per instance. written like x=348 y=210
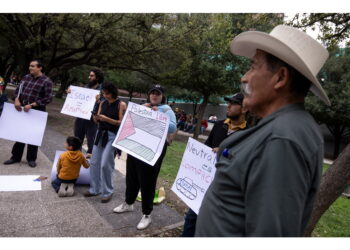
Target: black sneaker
x=32 y=164
x=11 y=161
x=106 y=199
x=88 y=194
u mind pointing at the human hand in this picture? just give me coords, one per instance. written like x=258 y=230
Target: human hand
x=18 y=105
x=215 y=150
x=97 y=97
x=27 y=107
x=68 y=91
x=102 y=118
x=148 y=105
x=155 y=108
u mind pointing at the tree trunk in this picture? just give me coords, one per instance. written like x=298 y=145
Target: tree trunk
x=332 y=185
x=201 y=110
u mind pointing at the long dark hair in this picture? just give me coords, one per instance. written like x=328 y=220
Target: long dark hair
x=111 y=89
x=99 y=75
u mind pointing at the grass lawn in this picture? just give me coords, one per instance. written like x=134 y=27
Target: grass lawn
x=334 y=223
x=172 y=161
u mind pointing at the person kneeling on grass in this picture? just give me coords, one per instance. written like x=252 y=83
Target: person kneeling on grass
x=68 y=167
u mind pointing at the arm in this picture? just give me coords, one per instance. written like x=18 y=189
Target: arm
x=17 y=93
x=276 y=190
x=85 y=163
x=97 y=116
x=172 y=121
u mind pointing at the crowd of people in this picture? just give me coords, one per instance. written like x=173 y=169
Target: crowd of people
x=188 y=122
x=267 y=176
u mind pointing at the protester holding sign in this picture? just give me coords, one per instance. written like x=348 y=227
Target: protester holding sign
x=33 y=92
x=87 y=128
x=222 y=129
x=140 y=175
x=109 y=116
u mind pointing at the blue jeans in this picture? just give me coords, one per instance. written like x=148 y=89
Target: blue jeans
x=190 y=224
x=56 y=184
x=102 y=167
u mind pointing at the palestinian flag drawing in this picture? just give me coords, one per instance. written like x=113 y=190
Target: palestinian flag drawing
x=142 y=137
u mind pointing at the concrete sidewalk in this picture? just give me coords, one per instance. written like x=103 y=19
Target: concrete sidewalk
x=44 y=214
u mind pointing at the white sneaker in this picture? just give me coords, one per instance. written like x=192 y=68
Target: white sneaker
x=62 y=192
x=346 y=192
x=124 y=207
x=70 y=189
x=144 y=222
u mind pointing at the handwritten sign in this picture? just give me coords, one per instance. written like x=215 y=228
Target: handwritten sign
x=196 y=172
x=80 y=102
x=142 y=133
x=26 y=127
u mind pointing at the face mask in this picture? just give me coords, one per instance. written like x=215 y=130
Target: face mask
x=245 y=89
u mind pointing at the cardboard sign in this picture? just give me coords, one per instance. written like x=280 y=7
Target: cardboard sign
x=142 y=133
x=26 y=127
x=196 y=172
x=80 y=102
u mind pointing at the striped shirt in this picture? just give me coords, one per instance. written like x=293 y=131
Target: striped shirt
x=35 y=89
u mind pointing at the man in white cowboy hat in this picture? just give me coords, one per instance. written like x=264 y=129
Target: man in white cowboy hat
x=267 y=176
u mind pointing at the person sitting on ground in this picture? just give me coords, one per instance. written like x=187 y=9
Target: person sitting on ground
x=188 y=123
x=204 y=126
x=68 y=167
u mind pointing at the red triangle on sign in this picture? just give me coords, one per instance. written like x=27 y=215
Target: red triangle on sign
x=127 y=129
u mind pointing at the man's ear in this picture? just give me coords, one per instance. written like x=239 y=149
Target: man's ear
x=282 y=76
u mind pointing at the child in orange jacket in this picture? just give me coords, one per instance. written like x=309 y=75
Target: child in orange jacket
x=68 y=167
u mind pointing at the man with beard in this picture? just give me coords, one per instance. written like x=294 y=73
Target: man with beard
x=221 y=130
x=33 y=92
x=88 y=128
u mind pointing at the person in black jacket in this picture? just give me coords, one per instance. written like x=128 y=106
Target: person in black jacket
x=235 y=122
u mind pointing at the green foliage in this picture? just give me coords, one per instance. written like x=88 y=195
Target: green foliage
x=336 y=79
x=334 y=27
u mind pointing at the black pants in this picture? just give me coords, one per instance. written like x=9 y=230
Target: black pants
x=142 y=175
x=56 y=184
x=32 y=150
x=190 y=224
x=86 y=128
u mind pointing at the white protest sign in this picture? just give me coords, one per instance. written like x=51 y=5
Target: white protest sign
x=142 y=133
x=84 y=174
x=26 y=127
x=19 y=183
x=196 y=172
x=80 y=102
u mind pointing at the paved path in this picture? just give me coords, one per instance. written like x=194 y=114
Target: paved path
x=43 y=214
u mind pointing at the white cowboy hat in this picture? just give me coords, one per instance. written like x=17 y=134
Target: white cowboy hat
x=292 y=46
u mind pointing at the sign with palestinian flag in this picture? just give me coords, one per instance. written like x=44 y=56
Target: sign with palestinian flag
x=142 y=133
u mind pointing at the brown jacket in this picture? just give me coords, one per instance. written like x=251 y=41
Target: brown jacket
x=69 y=163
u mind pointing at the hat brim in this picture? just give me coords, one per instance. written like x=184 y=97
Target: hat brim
x=154 y=89
x=232 y=101
x=246 y=44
